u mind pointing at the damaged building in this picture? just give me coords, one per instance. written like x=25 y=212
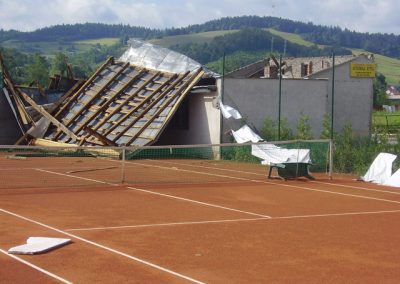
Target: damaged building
x=151 y=95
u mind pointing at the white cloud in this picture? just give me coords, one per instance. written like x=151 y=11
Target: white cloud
x=360 y=15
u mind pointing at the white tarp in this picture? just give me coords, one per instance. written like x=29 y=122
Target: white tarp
x=272 y=154
x=394 y=180
x=228 y=112
x=159 y=58
x=245 y=134
x=381 y=169
x=36 y=245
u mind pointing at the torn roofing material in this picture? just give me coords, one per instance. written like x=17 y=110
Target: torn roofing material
x=151 y=56
x=122 y=104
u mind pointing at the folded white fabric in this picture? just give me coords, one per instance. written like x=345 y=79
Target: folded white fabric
x=36 y=245
x=272 y=154
x=381 y=169
x=245 y=134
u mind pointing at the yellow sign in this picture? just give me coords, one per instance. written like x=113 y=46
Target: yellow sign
x=362 y=70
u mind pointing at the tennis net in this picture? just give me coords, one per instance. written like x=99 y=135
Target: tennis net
x=44 y=167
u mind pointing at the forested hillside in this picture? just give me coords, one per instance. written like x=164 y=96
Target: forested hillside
x=385 y=44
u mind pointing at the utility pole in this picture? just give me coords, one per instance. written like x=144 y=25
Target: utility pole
x=222 y=98
x=333 y=92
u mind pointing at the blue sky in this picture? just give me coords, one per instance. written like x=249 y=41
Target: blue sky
x=360 y=15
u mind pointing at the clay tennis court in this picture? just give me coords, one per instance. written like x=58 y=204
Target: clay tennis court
x=193 y=221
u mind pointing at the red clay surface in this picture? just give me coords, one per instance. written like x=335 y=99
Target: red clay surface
x=196 y=222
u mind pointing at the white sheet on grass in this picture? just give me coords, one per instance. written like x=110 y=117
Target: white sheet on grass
x=272 y=154
x=381 y=169
x=36 y=245
x=228 y=112
x=245 y=134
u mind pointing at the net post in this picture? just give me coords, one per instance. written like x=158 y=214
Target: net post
x=123 y=165
x=330 y=159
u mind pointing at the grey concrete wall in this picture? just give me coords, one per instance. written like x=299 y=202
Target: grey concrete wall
x=257 y=99
x=9 y=129
x=353 y=100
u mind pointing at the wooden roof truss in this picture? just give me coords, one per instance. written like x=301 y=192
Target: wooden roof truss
x=121 y=104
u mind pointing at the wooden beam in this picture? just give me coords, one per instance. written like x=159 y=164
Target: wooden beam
x=65 y=96
x=94 y=96
x=142 y=103
x=127 y=100
x=98 y=71
x=102 y=138
x=109 y=101
x=43 y=112
x=187 y=87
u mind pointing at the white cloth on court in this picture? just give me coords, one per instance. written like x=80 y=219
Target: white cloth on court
x=36 y=245
x=272 y=154
x=381 y=169
x=394 y=180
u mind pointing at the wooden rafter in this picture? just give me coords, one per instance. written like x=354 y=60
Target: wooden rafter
x=83 y=87
x=48 y=116
x=143 y=102
x=161 y=108
x=125 y=102
x=109 y=101
x=183 y=90
x=93 y=97
x=101 y=138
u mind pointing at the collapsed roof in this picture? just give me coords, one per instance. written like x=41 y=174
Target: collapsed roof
x=122 y=104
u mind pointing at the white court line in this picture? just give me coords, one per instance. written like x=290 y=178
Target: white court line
x=36 y=267
x=273 y=183
x=356 y=187
x=233 y=220
x=259 y=174
x=198 y=202
x=72 y=176
x=104 y=247
x=167 y=224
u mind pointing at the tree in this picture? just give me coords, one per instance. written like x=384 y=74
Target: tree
x=38 y=70
x=59 y=65
x=304 y=128
x=380 y=87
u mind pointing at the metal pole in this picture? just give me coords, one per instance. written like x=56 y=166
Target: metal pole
x=222 y=98
x=333 y=92
x=330 y=159
x=280 y=96
x=123 y=164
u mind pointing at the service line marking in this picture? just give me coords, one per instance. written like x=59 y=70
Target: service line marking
x=233 y=220
x=104 y=247
x=77 y=177
x=36 y=267
x=197 y=202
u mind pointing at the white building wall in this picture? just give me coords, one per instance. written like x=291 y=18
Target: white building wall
x=204 y=123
